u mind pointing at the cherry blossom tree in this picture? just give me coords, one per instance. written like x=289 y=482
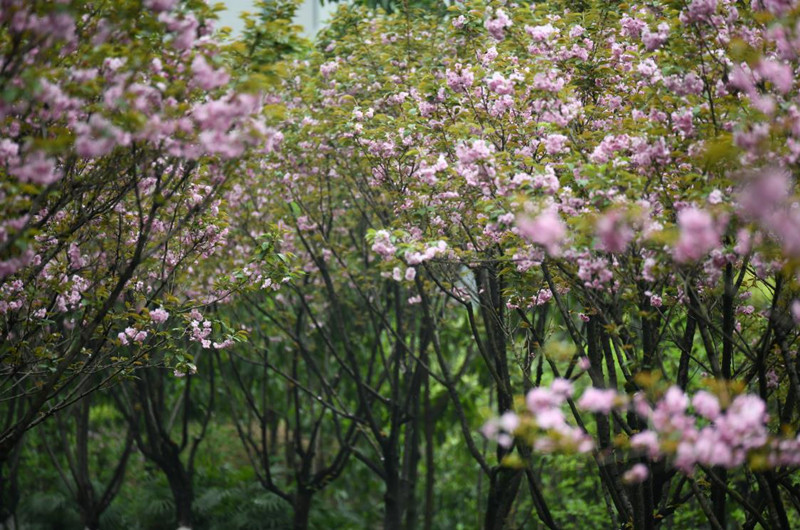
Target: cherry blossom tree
x=609 y=200
x=119 y=128
x=581 y=217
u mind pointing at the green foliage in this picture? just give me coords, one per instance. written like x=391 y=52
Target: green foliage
x=268 y=37
x=438 y=7
x=50 y=509
x=242 y=506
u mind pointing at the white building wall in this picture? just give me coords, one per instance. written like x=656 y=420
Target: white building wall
x=311 y=15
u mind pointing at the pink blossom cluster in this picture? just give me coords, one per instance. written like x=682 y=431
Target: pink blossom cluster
x=547 y=229
x=698 y=234
x=548 y=419
x=766 y=198
x=459 y=79
x=132 y=335
x=613 y=232
x=200 y=331
x=159 y=316
x=497 y=25
x=686 y=431
x=711 y=436
x=431 y=251
x=382 y=244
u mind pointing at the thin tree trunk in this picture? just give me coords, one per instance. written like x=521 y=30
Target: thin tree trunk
x=429 y=457
x=91 y=520
x=9 y=487
x=412 y=471
x=302 y=509
x=392 y=499
x=181 y=486
x=503 y=487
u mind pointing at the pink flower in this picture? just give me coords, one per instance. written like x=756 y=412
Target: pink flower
x=682 y=122
x=647 y=68
x=555 y=144
x=656 y=300
x=496 y=26
x=706 y=404
x=547 y=181
x=637 y=474
x=764 y=192
x=776 y=7
x=547 y=230
x=747 y=411
x=540 y=399
x=698 y=235
x=509 y=422
x=489 y=56
x=701 y=9
x=160 y=5
x=184 y=28
x=382 y=244
x=542 y=297
x=562 y=387
x=159 y=316
x=76 y=260
x=796 y=311
x=743 y=242
x=328 y=68
x=500 y=85
x=576 y=31
x=653 y=41
x=715 y=197
x=674 y=401
x=598 y=400
x=132 y=335
x=631 y=27
x=431 y=251
x=98 y=137
x=550 y=419
x=460 y=79
x=613 y=232
x=778 y=73
x=207 y=77
x=8 y=150
x=36 y=168
x=595 y=273
x=191 y=370
x=541 y=33
x=479 y=150
x=773 y=379
x=647 y=441
x=505 y=440
x=501 y=429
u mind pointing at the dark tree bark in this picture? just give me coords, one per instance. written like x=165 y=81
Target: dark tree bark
x=151 y=414
x=302 y=509
x=9 y=486
x=79 y=476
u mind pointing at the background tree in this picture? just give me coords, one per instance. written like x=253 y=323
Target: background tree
x=78 y=443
